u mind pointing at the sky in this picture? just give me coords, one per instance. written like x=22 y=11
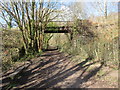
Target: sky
x=90 y=10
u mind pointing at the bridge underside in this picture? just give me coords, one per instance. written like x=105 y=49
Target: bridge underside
x=56 y=31
x=62 y=29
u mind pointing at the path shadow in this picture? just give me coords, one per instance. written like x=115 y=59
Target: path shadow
x=23 y=77
x=39 y=74
x=61 y=75
x=84 y=78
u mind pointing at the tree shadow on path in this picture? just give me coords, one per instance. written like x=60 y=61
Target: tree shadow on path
x=54 y=69
x=62 y=75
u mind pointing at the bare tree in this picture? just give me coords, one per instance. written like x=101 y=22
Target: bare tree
x=32 y=19
x=101 y=7
x=7 y=18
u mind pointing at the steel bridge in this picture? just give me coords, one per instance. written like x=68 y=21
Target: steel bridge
x=62 y=27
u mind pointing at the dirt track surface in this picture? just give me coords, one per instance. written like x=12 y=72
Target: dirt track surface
x=55 y=70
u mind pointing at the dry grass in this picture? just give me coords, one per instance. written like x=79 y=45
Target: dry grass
x=11 y=43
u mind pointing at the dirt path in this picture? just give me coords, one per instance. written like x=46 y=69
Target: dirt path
x=57 y=70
